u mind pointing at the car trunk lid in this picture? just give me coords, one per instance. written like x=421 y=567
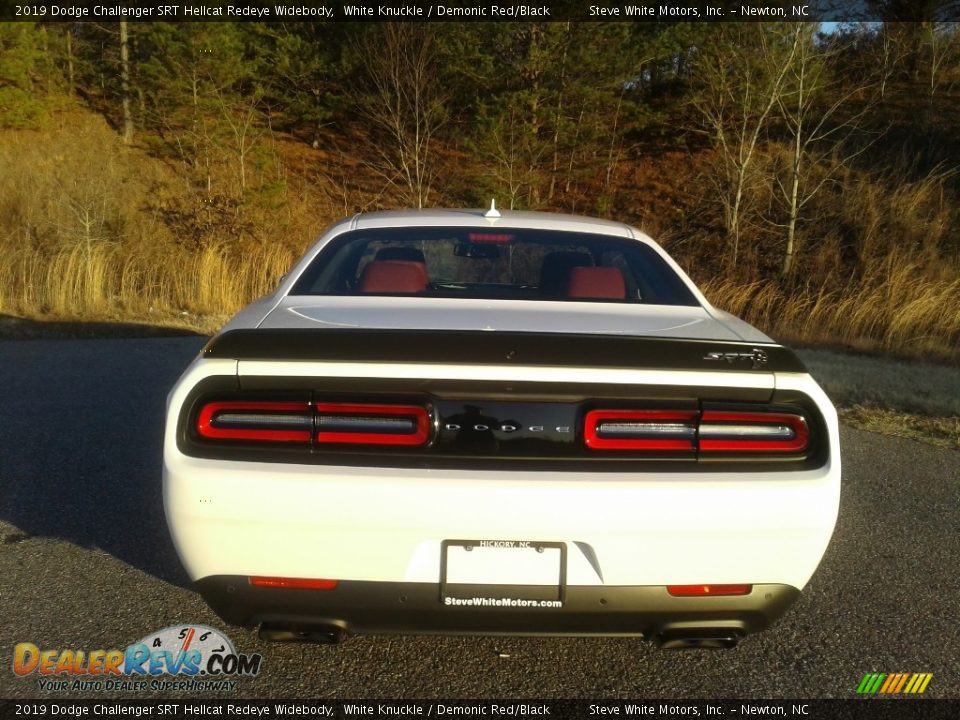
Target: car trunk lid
x=466 y=314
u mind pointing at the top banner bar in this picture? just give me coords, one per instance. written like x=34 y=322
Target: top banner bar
x=831 y=11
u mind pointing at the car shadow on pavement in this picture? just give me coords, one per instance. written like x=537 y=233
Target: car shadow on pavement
x=81 y=436
x=17 y=328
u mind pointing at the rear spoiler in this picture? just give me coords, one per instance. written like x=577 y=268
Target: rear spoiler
x=501 y=348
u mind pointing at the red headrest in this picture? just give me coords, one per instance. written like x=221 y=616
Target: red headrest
x=393 y=276
x=596 y=282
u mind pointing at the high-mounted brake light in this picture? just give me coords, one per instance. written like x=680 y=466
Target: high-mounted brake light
x=364 y=424
x=299 y=583
x=708 y=590
x=665 y=430
x=269 y=421
x=491 y=238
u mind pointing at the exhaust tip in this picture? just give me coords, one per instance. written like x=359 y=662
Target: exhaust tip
x=318 y=635
x=697 y=639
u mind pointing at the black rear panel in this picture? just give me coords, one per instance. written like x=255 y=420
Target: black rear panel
x=498 y=427
x=499 y=423
x=498 y=348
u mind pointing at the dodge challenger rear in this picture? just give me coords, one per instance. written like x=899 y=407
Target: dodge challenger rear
x=465 y=422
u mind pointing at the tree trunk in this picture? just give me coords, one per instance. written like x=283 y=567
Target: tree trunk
x=558 y=117
x=733 y=224
x=125 y=82
x=792 y=220
x=70 y=74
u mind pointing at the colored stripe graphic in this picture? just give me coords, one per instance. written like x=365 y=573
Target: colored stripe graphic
x=870 y=683
x=918 y=682
x=891 y=683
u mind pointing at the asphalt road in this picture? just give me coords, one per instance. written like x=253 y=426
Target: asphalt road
x=86 y=562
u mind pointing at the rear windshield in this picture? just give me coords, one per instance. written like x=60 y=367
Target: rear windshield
x=496 y=264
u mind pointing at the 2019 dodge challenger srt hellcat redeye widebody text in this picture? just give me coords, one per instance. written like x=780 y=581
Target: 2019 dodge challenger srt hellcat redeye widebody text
x=457 y=421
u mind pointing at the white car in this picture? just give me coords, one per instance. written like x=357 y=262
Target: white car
x=458 y=421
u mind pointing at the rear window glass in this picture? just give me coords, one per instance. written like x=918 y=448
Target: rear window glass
x=507 y=264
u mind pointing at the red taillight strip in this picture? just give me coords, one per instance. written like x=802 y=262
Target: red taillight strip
x=301 y=583
x=355 y=423
x=710 y=432
x=728 y=431
x=708 y=590
x=641 y=430
x=419 y=416
x=259 y=412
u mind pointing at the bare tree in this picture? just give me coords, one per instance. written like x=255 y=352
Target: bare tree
x=241 y=117
x=892 y=52
x=510 y=154
x=816 y=130
x=739 y=91
x=942 y=39
x=406 y=103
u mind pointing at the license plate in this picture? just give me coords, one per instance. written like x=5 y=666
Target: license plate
x=495 y=568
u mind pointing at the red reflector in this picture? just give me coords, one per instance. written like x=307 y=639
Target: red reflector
x=301 y=583
x=641 y=430
x=705 y=590
x=418 y=433
x=722 y=431
x=273 y=421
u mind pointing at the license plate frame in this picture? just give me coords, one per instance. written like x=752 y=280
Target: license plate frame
x=541 y=575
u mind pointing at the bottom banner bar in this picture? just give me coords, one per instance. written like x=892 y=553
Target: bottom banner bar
x=867 y=708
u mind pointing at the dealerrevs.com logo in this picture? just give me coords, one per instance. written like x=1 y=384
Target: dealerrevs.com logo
x=189 y=658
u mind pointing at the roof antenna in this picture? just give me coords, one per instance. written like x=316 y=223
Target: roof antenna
x=492 y=212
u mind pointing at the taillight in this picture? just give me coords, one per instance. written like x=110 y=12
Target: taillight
x=722 y=431
x=708 y=590
x=267 y=421
x=321 y=423
x=298 y=583
x=656 y=430
x=711 y=432
x=365 y=424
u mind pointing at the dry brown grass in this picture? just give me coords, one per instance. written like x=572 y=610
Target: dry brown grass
x=899 y=308
x=103 y=281
x=92 y=230
x=938 y=431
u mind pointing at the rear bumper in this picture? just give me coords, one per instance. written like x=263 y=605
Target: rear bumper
x=389 y=524
x=418 y=608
